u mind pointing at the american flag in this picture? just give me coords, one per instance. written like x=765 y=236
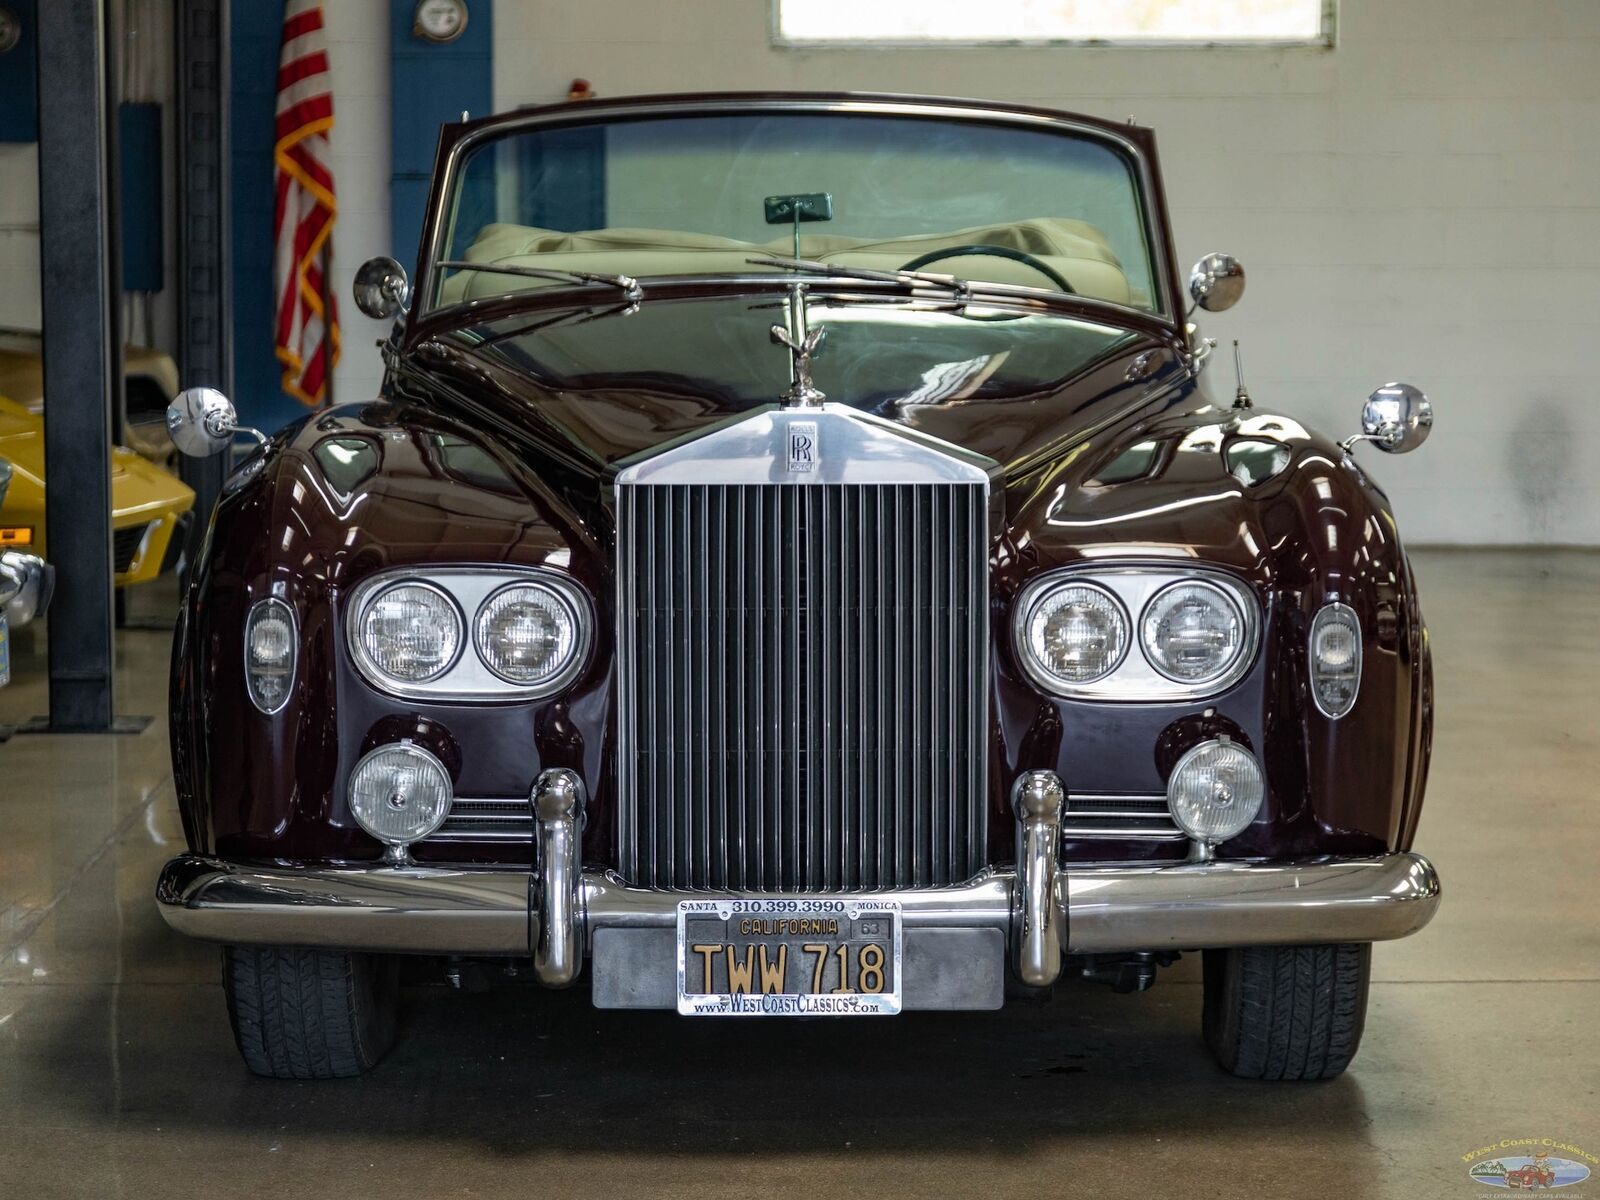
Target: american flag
x=307 y=332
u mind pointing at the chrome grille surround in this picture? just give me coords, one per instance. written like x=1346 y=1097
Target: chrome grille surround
x=803 y=659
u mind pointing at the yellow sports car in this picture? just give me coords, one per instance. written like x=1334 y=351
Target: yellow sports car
x=148 y=504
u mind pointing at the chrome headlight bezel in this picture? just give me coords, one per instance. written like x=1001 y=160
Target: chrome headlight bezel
x=1135 y=585
x=469 y=678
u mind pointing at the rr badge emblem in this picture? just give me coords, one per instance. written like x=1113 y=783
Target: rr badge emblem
x=802 y=445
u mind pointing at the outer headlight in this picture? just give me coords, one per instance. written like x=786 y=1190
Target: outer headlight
x=400 y=793
x=1215 y=790
x=270 y=644
x=409 y=632
x=1192 y=632
x=527 y=633
x=1335 y=655
x=1074 y=633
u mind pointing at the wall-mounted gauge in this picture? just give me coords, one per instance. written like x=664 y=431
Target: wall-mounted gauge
x=439 y=20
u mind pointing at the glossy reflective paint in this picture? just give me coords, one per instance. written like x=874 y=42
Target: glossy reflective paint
x=485 y=449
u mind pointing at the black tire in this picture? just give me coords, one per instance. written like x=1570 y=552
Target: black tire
x=310 y=1014
x=1286 y=1012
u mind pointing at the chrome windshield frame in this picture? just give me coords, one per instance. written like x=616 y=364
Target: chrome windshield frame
x=445 y=192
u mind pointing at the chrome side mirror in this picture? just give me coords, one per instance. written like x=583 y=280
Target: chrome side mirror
x=202 y=422
x=1396 y=418
x=381 y=288
x=1217 y=282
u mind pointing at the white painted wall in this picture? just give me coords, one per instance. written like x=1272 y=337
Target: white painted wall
x=19 y=235
x=1421 y=203
x=358 y=57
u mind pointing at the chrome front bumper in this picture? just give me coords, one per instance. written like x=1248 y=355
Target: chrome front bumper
x=1096 y=908
x=1042 y=909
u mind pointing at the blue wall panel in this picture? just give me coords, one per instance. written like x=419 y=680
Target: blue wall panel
x=255 y=27
x=430 y=84
x=139 y=164
x=19 y=74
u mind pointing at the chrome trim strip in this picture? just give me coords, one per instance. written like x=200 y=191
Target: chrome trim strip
x=1109 y=906
x=425 y=294
x=1038 y=799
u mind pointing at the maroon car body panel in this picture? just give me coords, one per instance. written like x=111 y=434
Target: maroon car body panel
x=473 y=455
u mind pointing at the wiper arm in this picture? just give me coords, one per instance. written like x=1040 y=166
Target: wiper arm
x=950 y=283
x=628 y=284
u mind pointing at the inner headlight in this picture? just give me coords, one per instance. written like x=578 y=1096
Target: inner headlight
x=1192 y=632
x=1076 y=633
x=526 y=633
x=410 y=632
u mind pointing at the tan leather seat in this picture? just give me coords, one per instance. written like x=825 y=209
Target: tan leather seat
x=1074 y=249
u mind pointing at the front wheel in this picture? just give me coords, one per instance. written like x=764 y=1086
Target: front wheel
x=310 y=1014
x=1286 y=1012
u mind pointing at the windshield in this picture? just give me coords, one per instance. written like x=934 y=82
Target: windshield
x=636 y=197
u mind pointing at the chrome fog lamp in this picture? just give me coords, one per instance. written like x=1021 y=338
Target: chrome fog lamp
x=400 y=793
x=1193 y=632
x=269 y=654
x=409 y=632
x=527 y=633
x=1215 y=791
x=1335 y=657
x=1074 y=633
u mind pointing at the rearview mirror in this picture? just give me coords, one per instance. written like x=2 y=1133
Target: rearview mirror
x=1396 y=418
x=202 y=422
x=381 y=287
x=1217 y=282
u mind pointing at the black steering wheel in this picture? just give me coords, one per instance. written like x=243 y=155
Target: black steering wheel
x=1021 y=256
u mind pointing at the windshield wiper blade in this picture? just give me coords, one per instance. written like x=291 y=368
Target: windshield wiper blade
x=628 y=284
x=951 y=283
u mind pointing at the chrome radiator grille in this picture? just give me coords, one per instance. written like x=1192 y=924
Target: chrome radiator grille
x=802 y=696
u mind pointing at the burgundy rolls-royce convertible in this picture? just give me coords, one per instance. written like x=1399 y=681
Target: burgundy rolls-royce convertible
x=799 y=563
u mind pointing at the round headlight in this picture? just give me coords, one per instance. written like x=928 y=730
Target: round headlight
x=1192 y=632
x=526 y=633
x=1076 y=633
x=410 y=632
x=400 y=793
x=1215 y=791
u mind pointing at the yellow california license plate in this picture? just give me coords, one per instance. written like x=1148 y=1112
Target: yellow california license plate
x=821 y=957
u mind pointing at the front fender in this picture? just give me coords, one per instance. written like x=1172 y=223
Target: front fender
x=1294 y=517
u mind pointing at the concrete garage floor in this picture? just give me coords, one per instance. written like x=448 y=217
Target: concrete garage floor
x=118 y=1076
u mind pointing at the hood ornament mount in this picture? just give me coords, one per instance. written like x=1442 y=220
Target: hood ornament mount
x=802 y=342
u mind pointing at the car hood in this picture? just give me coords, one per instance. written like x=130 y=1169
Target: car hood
x=600 y=385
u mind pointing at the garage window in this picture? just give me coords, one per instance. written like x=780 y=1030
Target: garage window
x=1126 y=22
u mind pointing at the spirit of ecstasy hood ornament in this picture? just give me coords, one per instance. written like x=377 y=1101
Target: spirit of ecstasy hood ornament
x=802 y=342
